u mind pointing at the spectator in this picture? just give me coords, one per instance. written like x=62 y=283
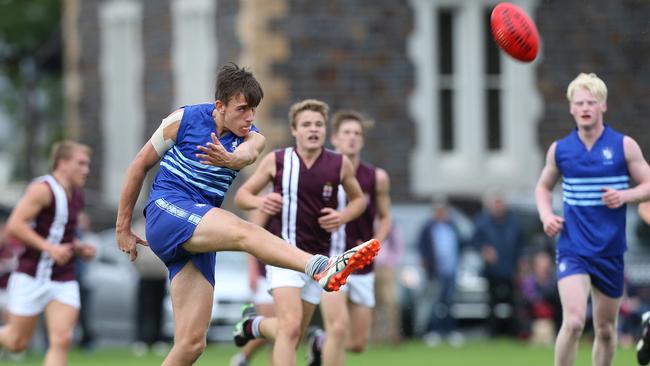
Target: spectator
x=439 y=249
x=542 y=300
x=499 y=237
x=387 y=322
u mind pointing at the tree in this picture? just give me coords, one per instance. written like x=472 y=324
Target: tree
x=30 y=60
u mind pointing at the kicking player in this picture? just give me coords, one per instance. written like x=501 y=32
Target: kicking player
x=597 y=165
x=348 y=313
x=302 y=206
x=201 y=149
x=45 y=221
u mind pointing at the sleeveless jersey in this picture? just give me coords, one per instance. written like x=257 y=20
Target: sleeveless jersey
x=305 y=191
x=181 y=174
x=57 y=224
x=590 y=227
x=360 y=229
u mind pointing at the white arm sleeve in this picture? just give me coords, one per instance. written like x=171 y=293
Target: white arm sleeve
x=160 y=144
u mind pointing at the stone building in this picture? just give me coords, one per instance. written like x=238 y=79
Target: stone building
x=453 y=114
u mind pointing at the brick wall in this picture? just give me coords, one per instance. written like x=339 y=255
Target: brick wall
x=610 y=38
x=352 y=54
x=89 y=103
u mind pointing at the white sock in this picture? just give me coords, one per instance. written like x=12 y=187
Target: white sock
x=316 y=264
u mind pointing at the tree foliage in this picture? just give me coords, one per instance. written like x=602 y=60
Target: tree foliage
x=30 y=77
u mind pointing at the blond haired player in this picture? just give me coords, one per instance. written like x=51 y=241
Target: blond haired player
x=597 y=165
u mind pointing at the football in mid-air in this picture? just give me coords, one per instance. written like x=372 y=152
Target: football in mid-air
x=515 y=32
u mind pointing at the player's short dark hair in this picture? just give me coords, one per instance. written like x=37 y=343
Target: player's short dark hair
x=233 y=80
x=350 y=114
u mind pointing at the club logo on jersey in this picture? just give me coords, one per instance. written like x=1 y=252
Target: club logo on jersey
x=608 y=154
x=234 y=144
x=562 y=267
x=327 y=191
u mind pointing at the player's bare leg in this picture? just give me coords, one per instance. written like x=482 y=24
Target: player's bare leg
x=605 y=311
x=60 y=320
x=347 y=327
x=574 y=291
x=288 y=326
x=192 y=297
x=15 y=335
x=221 y=230
x=361 y=320
x=337 y=321
x=252 y=347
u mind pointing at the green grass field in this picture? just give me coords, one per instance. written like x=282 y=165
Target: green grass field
x=479 y=353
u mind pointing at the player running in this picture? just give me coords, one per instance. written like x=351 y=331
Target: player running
x=303 y=209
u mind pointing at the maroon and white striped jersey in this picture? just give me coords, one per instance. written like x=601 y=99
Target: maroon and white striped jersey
x=360 y=229
x=305 y=191
x=57 y=224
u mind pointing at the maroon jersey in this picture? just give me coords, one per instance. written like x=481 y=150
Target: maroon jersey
x=360 y=229
x=57 y=224
x=305 y=191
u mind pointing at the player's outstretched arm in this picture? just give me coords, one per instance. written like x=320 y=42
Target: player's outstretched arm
x=384 y=220
x=161 y=141
x=544 y=195
x=135 y=174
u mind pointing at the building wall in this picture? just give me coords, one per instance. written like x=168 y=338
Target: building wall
x=353 y=54
x=609 y=38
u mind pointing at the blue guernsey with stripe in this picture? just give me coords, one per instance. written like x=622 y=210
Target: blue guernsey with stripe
x=181 y=175
x=591 y=228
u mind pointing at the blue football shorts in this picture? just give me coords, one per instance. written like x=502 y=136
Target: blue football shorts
x=170 y=222
x=606 y=273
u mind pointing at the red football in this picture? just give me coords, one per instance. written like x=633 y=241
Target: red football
x=515 y=32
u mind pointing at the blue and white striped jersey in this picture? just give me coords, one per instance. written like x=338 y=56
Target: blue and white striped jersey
x=181 y=174
x=591 y=228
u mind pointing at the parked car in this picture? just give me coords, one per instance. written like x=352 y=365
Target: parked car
x=114 y=281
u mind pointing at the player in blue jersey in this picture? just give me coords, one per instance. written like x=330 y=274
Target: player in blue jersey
x=201 y=148
x=597 y=165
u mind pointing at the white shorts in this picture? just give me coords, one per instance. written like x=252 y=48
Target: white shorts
x=282 y=277
x=29 y=296
x=262 y=295
x=361 y=289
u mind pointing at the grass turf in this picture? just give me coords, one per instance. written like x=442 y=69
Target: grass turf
x=414 y=353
